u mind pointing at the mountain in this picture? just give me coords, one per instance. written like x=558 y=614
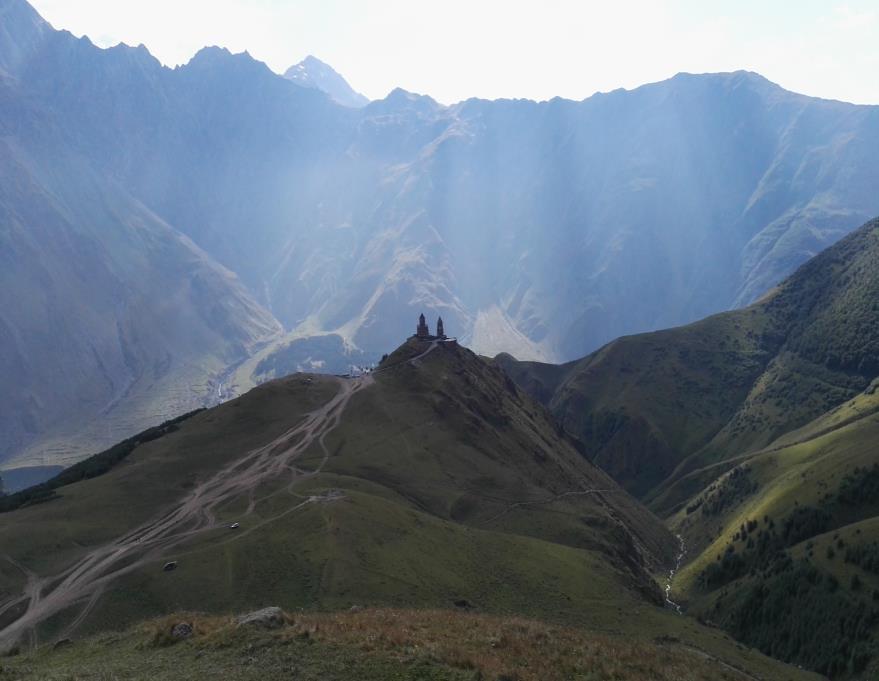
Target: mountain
x=21 y=32
x=754 y=434
x=111 y=318
x=438 y=447
x=313 y=73
x=432 y=483
x=656 y=407
x=541 y=229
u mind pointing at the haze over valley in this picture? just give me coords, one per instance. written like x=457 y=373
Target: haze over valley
x=632 y=435
x=539 y=229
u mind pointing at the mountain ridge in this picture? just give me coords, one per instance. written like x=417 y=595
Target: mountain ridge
x=753 y=434
x=311 y=72
x=417 y=441
x=783 y=333
x=546 y=229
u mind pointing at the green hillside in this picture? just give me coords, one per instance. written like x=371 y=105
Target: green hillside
x=794 y=524
x=754 y=433
x=652 y=408
x=433 y=483
x=386 y=644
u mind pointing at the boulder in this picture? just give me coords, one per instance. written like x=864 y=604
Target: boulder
x=267 y=618
x=181 y=630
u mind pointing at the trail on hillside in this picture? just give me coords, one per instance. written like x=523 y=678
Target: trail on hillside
x=84 y=581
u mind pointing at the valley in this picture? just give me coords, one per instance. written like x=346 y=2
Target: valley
x=649 y=448
x=753 y=434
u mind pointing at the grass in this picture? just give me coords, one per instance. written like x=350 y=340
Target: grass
x=788 y=476
x=155 y=475
x=823 y=470
x=448 y=488
x=755 y=418
x=431 y=467
x=378 y=644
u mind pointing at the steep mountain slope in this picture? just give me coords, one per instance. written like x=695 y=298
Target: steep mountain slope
x=107 y=311
x=654 y=407
x=434 y=482
x=542 y=229
x=794 y=525
x=312 y=72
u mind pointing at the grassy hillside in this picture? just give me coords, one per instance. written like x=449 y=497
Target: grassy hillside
x=652 y=408
x=754 y=433
x=435 y=484
x=791 y=533
x=388 y=644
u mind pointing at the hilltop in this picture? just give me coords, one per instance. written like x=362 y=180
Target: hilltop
x=432 y=483
x=341 y=488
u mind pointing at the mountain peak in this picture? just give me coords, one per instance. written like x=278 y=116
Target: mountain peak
x=399 y=99
x=311 y=72
x=22 y=30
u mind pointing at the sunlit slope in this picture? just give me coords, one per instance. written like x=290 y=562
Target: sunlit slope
x=795 y=525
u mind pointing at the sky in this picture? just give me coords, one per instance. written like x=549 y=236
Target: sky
x=455 y=49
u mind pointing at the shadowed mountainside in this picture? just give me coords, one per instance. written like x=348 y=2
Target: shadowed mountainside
x=653 y=407
x=754 y=433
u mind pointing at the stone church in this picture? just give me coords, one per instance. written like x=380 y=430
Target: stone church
x=422 y=331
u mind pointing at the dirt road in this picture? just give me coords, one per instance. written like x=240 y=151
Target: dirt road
x=83 y=582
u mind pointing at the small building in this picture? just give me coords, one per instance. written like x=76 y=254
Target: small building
x=422 y=331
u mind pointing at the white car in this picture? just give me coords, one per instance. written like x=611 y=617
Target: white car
x=234 y=526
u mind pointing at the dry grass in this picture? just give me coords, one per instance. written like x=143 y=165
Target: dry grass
x=495 y=648
x=509 y=647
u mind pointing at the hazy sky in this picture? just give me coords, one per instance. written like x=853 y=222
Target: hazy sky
x=454 y=49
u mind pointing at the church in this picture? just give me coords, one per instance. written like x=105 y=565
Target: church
x=422 y=331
